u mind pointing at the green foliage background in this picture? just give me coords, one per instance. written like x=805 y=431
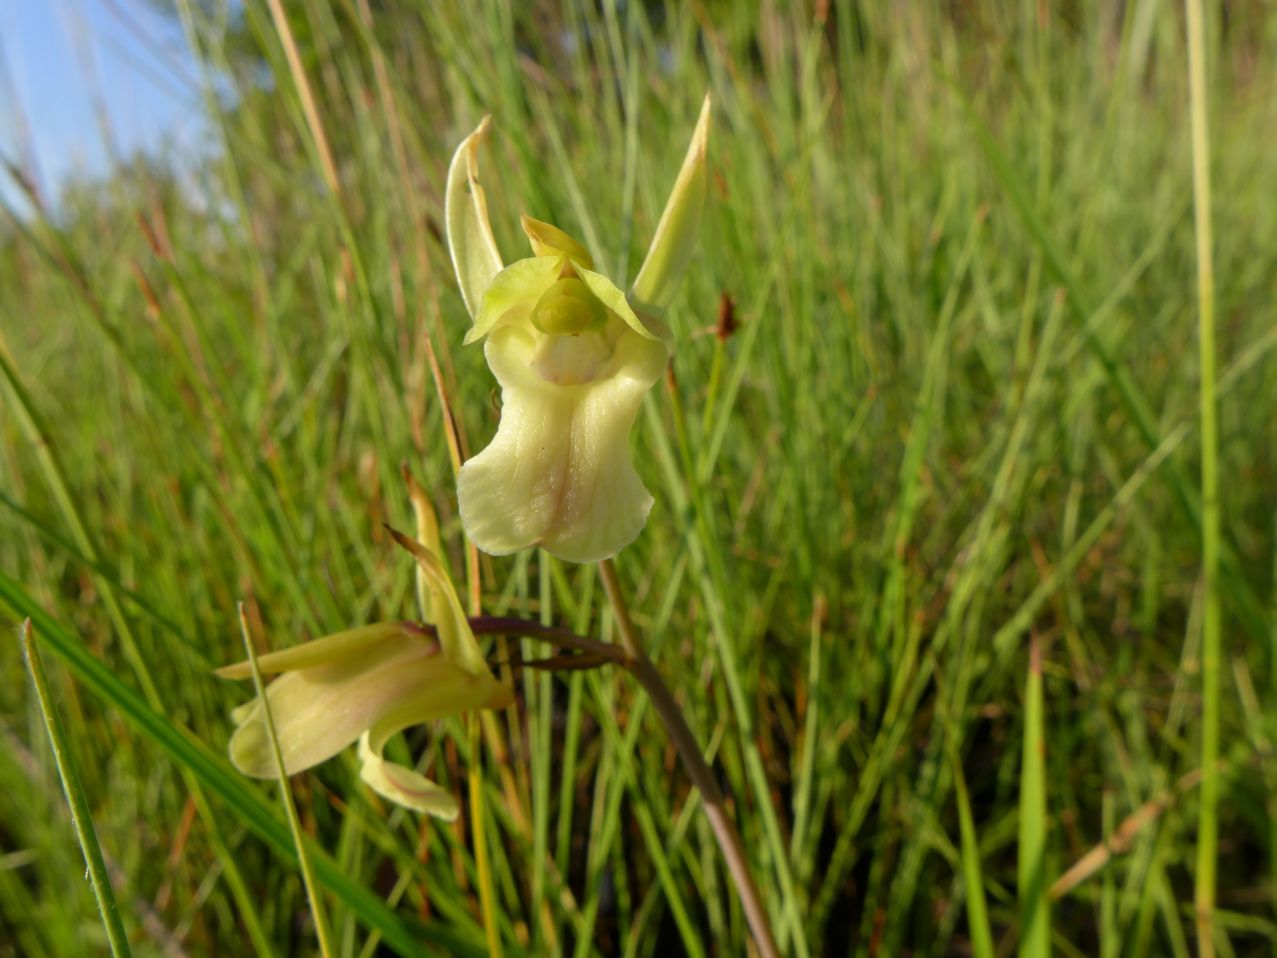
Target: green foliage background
x=958 y=416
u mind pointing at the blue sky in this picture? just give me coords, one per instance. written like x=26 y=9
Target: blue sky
x=59 y=54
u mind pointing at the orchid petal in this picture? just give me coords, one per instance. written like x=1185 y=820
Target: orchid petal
x=548 y=240
x=319 y=711
x=513 y=293
x=615 y=300
x=403 y=786
x=329 y=650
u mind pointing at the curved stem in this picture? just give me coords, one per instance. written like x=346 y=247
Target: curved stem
x=689 y=751
x=565 y=638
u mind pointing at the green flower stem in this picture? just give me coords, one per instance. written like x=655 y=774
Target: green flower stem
x=76 y=799
x=715 y=802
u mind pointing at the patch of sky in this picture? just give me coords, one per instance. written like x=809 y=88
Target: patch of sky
x=87 y=84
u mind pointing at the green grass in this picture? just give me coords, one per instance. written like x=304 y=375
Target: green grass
x=77 y=802
x=960 y=415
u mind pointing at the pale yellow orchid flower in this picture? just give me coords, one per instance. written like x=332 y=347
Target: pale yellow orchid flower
x=367 y=684
x=574 y=357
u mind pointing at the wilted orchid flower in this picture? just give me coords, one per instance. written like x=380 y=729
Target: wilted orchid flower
x=368 y=684
x=574 y=357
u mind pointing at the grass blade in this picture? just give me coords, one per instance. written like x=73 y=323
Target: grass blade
x=1208 y=820
x=76 y=798
x=286 y=797
x=1035 y=916
x=972 y=872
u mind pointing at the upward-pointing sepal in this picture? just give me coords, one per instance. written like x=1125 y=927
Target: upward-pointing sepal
x=475 y=256
x=679 y=228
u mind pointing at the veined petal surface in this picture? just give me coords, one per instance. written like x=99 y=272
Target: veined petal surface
x=319 y=711
x=559 y=473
